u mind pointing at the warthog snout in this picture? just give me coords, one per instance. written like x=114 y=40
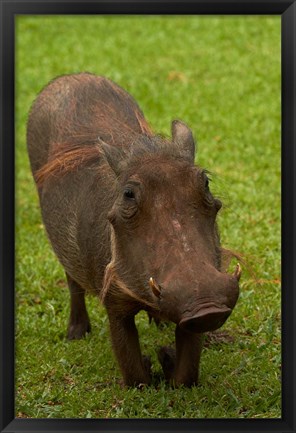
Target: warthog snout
x=203 y=307
x=212 y=315
x=208 y=318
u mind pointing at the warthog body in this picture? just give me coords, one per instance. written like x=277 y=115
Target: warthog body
x=130 y=218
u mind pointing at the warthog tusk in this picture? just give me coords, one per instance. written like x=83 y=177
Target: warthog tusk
x=156 y=289
x=238 y=271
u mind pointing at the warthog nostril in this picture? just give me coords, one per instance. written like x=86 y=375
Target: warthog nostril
x=207 y=319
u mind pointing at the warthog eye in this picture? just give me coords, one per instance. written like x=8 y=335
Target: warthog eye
x=129 y=193
x=206 y=180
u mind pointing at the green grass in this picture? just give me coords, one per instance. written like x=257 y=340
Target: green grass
x=221 y=75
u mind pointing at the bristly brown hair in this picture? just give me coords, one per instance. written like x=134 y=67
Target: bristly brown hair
x=112 y=283
x=228 y=255
x=80 y=110
x=69 y=156
x=67 y=160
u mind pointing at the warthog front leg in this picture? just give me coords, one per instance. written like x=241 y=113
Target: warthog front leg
x=125 y=340
x=79 y=323
x=181 y=366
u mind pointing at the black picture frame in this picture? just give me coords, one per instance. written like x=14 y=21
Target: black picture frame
x=9 y=10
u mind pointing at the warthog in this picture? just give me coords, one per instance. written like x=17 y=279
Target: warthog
x=131 y=219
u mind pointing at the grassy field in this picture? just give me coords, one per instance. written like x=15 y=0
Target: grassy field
x=221 y=75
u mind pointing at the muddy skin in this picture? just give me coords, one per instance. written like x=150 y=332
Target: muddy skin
x=131 y=219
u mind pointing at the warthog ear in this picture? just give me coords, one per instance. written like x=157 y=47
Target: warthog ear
x=114 y=156
x=183 y=138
